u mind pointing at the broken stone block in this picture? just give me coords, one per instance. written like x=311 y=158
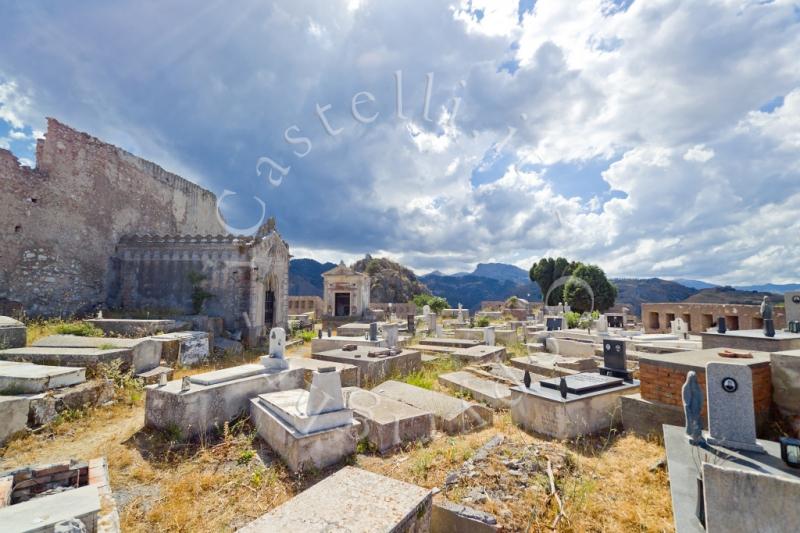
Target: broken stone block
x=451 y=415
x=388 y=423
x=450 y=517
x=184 y=348
x=352 y=499
x=492 y=393
x=13 y=333
x=145 y=352
x=27 y=378
x=13 y=416
x=223 y=346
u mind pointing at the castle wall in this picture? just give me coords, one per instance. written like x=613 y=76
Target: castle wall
x=60 y=222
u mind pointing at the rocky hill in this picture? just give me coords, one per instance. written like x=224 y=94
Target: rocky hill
x=390 y=281
x=471 y=290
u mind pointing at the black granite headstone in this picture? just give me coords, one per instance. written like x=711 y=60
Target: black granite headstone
x=615 y=359
x=721 y=326
x=527 y=379
x=554 y=323
x=562 y=387
x=769 y=327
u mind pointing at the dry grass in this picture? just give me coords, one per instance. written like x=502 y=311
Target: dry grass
x=605 y=483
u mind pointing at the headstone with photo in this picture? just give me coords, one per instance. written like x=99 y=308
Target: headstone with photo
x=615 y=359
x=791 y=302
x=731 y=415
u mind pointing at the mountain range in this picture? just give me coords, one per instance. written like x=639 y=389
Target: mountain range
x=499 y=281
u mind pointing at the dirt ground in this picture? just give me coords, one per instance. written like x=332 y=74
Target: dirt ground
x=610 y=483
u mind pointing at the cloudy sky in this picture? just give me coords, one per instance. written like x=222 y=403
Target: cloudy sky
x=655 y=138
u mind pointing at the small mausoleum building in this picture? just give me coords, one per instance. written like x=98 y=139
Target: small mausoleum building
x=346 y=292
x=245 y=280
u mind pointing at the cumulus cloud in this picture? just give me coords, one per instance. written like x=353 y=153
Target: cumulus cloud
x=498 y=108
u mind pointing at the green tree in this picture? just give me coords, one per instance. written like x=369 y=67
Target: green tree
x=436 y=303
x=547 y=271
x=580 y=299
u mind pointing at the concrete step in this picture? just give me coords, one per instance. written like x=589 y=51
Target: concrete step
x=153 y=376
x=146 y=353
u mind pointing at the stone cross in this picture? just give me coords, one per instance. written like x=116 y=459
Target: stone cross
x=488 y=336
x=731 y=415
x=390 y=334
x=692 y=406
x=325 y=392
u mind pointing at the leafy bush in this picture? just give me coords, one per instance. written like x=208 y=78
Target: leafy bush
x=199 y=294
x=481 y=321
x=573 y=319
x=308 y=335
x=436 y=303
x=83 y=329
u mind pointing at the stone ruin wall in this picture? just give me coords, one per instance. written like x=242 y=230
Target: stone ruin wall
x=62 y=220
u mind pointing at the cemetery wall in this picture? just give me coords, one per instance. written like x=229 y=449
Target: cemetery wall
x=656 y=317
x=62 y=220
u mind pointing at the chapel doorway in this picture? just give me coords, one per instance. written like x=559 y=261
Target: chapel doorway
x=269 y=309
x=342 y=304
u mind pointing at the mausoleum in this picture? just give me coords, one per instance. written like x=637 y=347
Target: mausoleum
x=346 y=292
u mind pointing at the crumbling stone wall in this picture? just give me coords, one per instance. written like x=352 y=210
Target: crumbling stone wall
x=62 y=220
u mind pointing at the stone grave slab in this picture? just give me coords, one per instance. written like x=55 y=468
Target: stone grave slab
x=13 y=333
x=373 y=370
x=433 y=349
x=388 y=423
x=27 y=378
x=228 y=374
x=337 y=342
x=352 y=500
x=683 y=460
x=480 y=354
x=547 y=366
x=131 y=327
x=506 y=337
x=348 y=373
x=569 y=348
x=474 y=334
x=145 y=352
x=543 y=410
x=304 y=451
x=204 y=408
x=289 y=405
x=84 y=357
x=751 y=339
x=492 y=393
x=41 y=514
x=451 y=415
x=583 y=383
x=452 y=343
x=184 y=348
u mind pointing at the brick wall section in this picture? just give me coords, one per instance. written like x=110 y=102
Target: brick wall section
x=60 y=222
x=699 y=316
x=663 y=383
